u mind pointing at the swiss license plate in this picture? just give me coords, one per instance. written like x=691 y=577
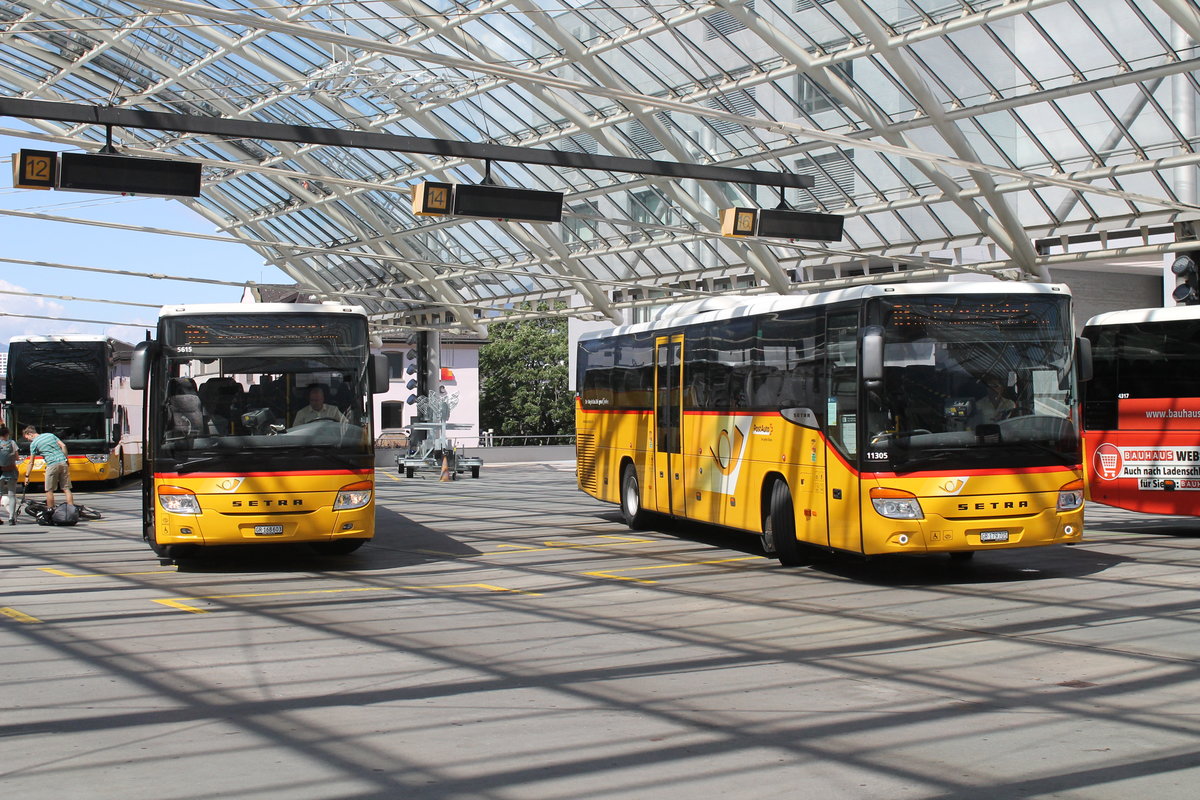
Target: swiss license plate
x=993 y=536
x=270 y=530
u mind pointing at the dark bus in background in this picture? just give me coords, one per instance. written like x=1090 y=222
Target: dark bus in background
x=226 y=461
x=77 y=387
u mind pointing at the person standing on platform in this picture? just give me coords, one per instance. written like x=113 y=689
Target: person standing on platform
x=8 y=473
x=58 y=472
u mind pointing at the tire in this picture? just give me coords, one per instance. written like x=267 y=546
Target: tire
x=779 y=527
x=409 y=472
x=88 y=513
x=474 y=472
x=632 y=512
x=152 y=540
x=339 y=547
x=158 y=549
x=116 y=482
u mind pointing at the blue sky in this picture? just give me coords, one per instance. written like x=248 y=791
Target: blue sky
x=89 y=246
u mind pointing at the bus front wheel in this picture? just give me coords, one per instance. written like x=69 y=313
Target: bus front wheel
x=632 y=512
x=779 y=527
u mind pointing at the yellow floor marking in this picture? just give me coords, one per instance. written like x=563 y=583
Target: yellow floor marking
x=390 y=475
x=65 y=574
x=609 y=574
x=17 y=615
x=177 y=602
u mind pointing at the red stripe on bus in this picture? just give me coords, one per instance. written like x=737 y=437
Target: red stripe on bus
x=957 y=473
x=616 y=410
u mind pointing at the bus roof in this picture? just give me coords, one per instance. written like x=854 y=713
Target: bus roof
x=725 y=306
x=259 y=308
x=1132 y=316
x=68 y=337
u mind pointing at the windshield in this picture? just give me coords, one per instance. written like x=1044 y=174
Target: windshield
x=58 y=371
x=83 y=427
x=251 y=392
x=973 y=382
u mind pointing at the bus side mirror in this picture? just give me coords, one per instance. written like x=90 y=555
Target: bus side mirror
x=379 y=373
x=139 y=364
x=872 y=357
x=1083 y=358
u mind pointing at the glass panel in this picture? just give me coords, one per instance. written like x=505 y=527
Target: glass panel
x=240 y=388
x=974 y=381
x=841 y=406
x=667 y=411
x=1143 y=360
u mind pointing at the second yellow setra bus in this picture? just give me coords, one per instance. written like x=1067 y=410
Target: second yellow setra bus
x=913 y=418
x=258 y=427
x=76 y=386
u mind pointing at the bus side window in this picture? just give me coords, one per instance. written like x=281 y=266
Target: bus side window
x=793 y=347
x=1099 y=403
x=842 y=400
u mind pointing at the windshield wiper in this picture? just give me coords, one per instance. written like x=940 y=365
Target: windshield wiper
x=193 y=465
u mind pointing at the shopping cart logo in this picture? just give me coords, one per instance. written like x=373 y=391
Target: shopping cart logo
x=1108 y=461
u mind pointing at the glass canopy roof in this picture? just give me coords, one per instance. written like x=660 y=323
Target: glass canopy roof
x=952 y=135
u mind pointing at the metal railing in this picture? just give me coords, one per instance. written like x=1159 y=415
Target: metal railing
x=487 y=439
x=392 y=440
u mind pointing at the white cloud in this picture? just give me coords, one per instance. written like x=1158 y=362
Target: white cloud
x=36 y=306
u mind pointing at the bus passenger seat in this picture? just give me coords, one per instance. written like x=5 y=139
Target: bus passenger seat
x=187 y=416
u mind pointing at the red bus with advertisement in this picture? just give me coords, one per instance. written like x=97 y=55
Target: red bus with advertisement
x=1141 y=410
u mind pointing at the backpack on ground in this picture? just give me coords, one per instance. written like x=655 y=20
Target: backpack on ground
x=63 y=514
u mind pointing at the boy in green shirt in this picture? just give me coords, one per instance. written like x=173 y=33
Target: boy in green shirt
x=58 y=473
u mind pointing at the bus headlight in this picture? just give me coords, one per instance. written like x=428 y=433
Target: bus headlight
x=176 y=500
x=896 y=504
x=1070 y=497
x=356 y=495
x=98 y=458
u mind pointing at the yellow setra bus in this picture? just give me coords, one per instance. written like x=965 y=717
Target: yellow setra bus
x=258 y=427
x=915 y=418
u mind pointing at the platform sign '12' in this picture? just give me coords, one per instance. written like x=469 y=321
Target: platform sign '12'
x=35 y=169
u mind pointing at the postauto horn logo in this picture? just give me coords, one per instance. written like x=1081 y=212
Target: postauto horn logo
x=1108 y=461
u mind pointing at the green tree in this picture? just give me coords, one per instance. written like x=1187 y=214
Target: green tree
x=523 y=378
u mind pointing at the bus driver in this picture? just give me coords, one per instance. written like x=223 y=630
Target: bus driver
x=316 y=408
x=993 y=406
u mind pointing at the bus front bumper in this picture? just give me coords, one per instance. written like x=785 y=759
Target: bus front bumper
x=936 y=534
x=211 y=528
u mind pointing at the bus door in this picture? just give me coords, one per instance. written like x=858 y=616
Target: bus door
x=841 y=423
x=668 y=424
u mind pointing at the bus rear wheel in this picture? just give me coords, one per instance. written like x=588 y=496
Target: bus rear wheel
x=632 y=512
x=779 y=527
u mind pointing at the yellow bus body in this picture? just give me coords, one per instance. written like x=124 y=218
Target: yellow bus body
x=238 y=509
x=729 y=462
x=82 y=468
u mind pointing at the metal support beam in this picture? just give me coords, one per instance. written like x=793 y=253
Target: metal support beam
x=277 y=132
